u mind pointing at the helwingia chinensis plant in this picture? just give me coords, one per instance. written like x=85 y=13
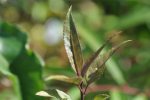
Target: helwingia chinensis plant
x=86 y=72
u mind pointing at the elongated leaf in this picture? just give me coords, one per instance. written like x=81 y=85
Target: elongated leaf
x=72 y=44
x=94 y=56
x=101 y=97
x=55 y=93
x=98 y=69
x=64 y=78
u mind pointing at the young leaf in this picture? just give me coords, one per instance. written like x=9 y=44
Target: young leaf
x=72 y=44
x=98 y=69
x=101 y=97
x=63 y=78
x=54 y=93
x=94 y=56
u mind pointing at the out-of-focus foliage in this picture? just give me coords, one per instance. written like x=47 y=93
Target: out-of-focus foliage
x=20 y=65
x=95 y=20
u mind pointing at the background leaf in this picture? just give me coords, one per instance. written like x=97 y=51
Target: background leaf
x=12 y=40
x=115 y=95
x=29 y=72
x=140 y=97
x=25 y=66
x=15 y=92
x=4 y=66
x=74 y=93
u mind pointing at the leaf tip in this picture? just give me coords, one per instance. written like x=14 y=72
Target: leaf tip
x=70 y=9
x=127 y=41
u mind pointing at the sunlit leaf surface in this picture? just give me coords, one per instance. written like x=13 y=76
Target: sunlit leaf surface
x=76 y=80
x=55 y=93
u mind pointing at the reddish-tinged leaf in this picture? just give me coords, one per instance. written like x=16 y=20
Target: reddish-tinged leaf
x=72 y=44
x=96 y=70
x=94 y=56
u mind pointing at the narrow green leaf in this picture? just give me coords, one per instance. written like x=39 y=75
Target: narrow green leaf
x=54 y=93
x=101 y=97
x=98 y=69
x=72 y=44
x=94 y=56
x=64 y=78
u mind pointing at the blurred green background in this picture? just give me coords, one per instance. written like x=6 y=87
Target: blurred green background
x=128 y=72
